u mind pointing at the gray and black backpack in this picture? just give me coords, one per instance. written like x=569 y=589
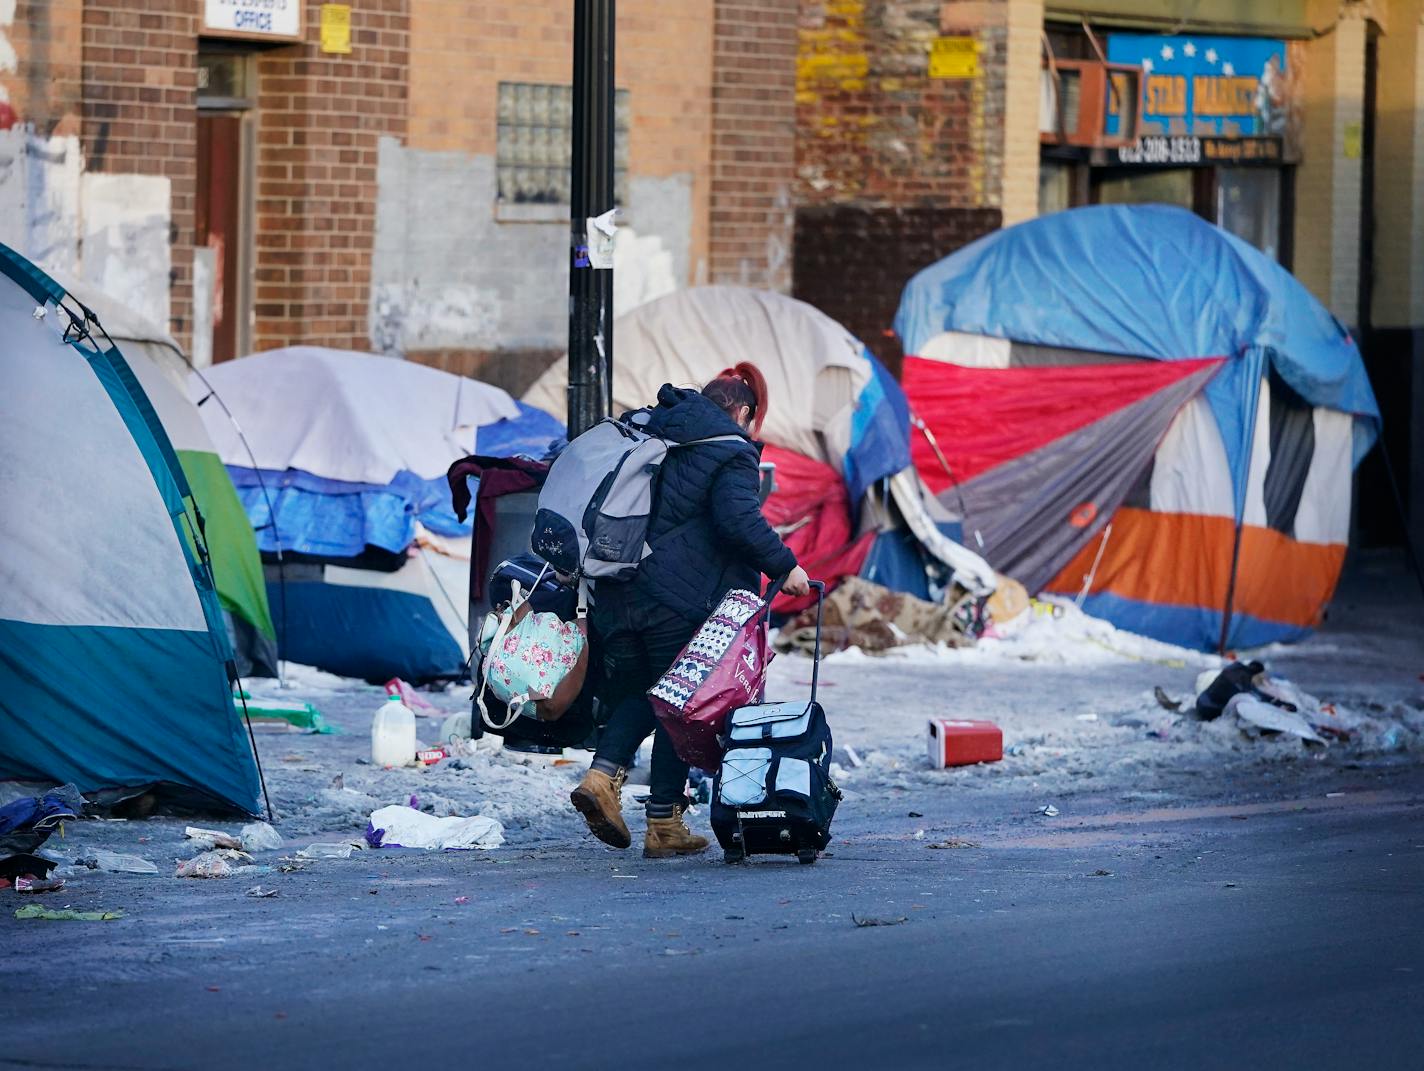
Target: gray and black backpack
x=594 y=508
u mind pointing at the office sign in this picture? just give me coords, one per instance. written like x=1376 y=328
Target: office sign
x=266 y=20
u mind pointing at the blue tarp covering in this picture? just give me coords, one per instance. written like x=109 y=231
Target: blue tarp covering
x=337 y=519
x=879 y=434
x=528 y=436
x=1145 y=281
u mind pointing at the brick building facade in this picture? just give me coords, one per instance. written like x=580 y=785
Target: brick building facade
x=901 y=157
x=255 y=185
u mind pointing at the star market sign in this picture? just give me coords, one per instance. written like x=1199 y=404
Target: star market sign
x=265 y=20
x=1216 y=87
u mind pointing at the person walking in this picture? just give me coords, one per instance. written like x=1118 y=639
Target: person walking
x=707 y=536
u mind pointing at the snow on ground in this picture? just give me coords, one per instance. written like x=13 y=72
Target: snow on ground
x=1075 y=698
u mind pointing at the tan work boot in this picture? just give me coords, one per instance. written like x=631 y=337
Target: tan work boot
x=599 y=798
x=667 y=837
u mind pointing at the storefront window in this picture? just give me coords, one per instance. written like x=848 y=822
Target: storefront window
x=1248 y=204
x=1055 y=187
x=1173 y=187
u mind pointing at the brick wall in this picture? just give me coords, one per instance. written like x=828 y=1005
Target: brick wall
x=753 y=142
x=873 y=126
x=895 y=169
x=47 y=38
x=852 y=261
x=320 y=119
x=140 y=115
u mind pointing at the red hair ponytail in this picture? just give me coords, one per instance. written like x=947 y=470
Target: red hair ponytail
x=738 y=386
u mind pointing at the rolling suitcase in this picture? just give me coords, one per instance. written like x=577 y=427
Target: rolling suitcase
x=773 y=794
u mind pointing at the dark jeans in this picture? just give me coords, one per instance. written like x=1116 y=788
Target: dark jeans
x=638 y=648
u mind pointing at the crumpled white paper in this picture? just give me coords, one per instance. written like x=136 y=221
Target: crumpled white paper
x=405 y=827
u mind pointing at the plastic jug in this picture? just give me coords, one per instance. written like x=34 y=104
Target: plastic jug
x=393 y=734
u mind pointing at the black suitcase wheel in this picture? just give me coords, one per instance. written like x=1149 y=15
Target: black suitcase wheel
x=734 y=855
x=806 y=856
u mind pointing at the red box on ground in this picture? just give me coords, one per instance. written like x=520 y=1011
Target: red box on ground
x=955 y=742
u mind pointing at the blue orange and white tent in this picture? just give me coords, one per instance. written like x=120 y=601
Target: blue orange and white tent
x=1130 y=404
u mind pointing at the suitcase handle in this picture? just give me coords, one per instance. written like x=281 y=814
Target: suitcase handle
x=819 y=587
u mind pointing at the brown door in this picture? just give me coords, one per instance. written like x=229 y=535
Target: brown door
x=219 y=221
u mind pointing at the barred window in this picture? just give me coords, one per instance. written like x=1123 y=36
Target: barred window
x=535 y=140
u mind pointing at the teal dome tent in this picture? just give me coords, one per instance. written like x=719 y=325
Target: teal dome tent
x=114 y=660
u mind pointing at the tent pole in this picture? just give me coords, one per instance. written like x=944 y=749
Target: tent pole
x=252 y=737
x=1403 y=517
x=1230 y=592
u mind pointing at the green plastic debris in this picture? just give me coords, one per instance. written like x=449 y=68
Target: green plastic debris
x=292 y=711
x=34 y=911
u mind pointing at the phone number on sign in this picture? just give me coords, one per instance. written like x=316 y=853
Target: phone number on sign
x=1162 y=150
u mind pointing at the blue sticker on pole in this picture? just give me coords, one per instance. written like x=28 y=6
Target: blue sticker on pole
x=581 y=256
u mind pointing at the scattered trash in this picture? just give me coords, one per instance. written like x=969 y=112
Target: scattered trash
x=462 y=900
x=27 y=822
x=957 y=742
x=393 y=733
x=1101 y=874
x=1333 y=795
x=213 y=864
x=117 y=862
x=1165 y=701
x=404 y=827
x=326 y=851
x=34 y=911
x=457 y=727
x=1014 y=750
x=915 y=814
x=261 y=893
x=431 y=755
x=1085 y=717
x=1048 y=811
x=282 y=714
x=868 y=921
x=38 y=885
x=260 y=837
x=1267 y=717
x=919 y=834
x=213 y=838
x=953 y=842
x=413 y=699
x=856 y=762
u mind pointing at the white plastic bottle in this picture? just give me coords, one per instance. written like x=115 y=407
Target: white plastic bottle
x=393 y=734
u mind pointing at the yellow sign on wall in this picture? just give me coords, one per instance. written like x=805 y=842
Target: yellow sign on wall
x=954 y=57
x=336 y=28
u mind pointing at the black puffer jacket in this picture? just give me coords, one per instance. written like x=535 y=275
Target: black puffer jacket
x=707 y=531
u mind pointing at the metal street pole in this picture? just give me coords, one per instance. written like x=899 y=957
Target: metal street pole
x=590 y=196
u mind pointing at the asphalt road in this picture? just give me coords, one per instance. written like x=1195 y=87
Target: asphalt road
x=1266 y=928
